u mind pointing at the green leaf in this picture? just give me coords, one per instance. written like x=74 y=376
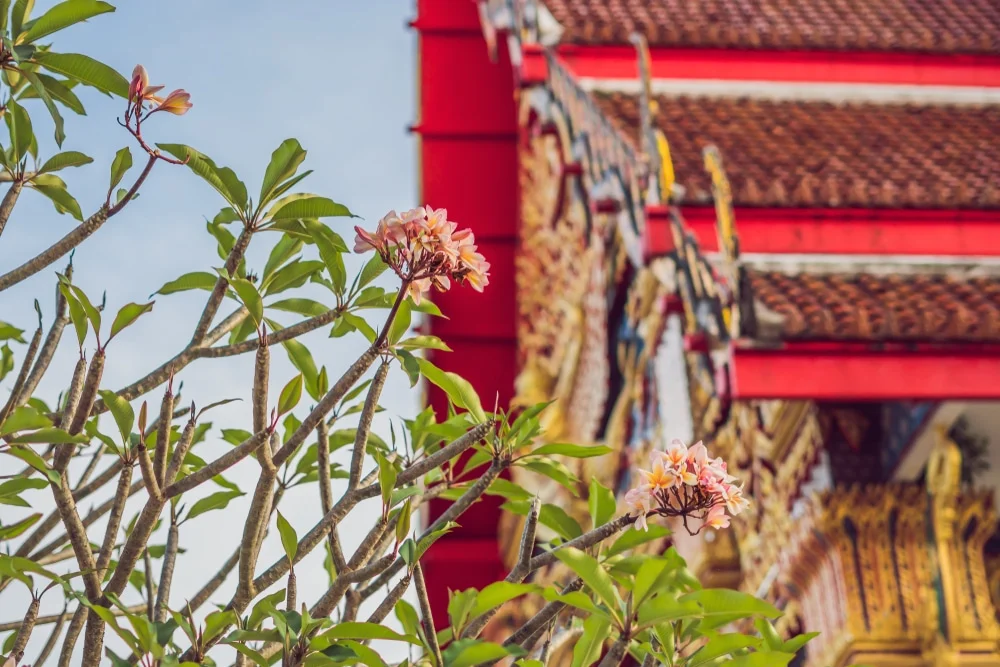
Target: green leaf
x=250 y=297
x=289 y=540
x=601 y=502
x=768 y=633
x=372 y=269
x=457 y=388
x=282 y=251
x=122 y=411
x=294 y=274
x=408 y=617
x=120 y=166
x=302 y=359
x=47 y=436
x=290 y=395
x=460 y=606
x=23 y=418
x=588 y=647
x=32 y=458
x=62 y=16
x=720 y=645
x=54 y=188
x=634 y=538
x=769 y=659
x=10 y=332
x=411 y=551
x=593 y=575
x=311 y=207
x=64 y=160
x=386 y=478
x=498 y=593
x=666 y=608
x=19 y=15
x=403 y=523
x=43 y=95
x=797 y=642
x=574 y=451
x=423 y=343
x=189 y=281
x=653 y=574
x=19 y=527
x=362 y=631
x=59 y=90
x=724 y=601
x=19 y=126
x=359 y=323
x=577 y=599
x=86 y=70
x=223 y=179
x=15 y=486
x=558 y=520
x=93 y=314
x=306 y=307
x=128 y=314
x=285 y=160
x=470 y=652
x=216 y=501
x=555 y=471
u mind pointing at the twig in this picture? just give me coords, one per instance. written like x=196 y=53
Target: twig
x=163 y=436
x=148 y=473
x=614 y=657
x=542 y=618
x=53 y=639
x=14 y=400
x=394 y=596
x=588 y=539
x=114 y=521
x=167 y=569
x=517 y=574
x=219 y=290
x=56 y=250
x=9 y=199
x=427 y=618
x=365 y=424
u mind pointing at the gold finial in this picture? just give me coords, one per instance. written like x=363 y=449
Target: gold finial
x=655 y=148
x=729 y=243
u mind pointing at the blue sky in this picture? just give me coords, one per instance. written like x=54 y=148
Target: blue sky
x=337 y=75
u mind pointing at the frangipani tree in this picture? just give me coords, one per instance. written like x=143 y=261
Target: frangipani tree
x=144 y=441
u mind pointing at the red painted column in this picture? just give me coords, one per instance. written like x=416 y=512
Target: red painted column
x=468 y=164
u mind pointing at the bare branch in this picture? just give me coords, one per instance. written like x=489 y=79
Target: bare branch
x=163 y=437
x=426 y=617
x=53 y=639
x=218 y=466
x=25 y=629
x=219 y=291
x=585 y=541
x=519 y=571
x=614 y=657
x=7 y=205
x=114 y=521
x=167 y=570
x=148 y=473
x=365 y=424
x=538 y=622
x=51 y=342
x=394 y=596
x=55 y=251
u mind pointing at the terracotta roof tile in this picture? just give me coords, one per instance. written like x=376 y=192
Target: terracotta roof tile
x=941 y=26
x=821 y=154
x=893 y=307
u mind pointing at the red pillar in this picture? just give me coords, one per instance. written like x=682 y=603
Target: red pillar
x=468 y=164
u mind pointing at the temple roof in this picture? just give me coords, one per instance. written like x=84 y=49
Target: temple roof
x=793 y=153
x=938 y=26
x=916 y=307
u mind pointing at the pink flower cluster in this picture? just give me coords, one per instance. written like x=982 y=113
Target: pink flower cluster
x=424 y=249
x=684 y=482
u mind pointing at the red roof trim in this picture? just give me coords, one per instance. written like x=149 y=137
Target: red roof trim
x=860 y=372
x=619 y=62
x=854 y=231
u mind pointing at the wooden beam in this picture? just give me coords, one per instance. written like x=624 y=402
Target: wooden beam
x=854 y=231
x=863 y=372
x=928 y=69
